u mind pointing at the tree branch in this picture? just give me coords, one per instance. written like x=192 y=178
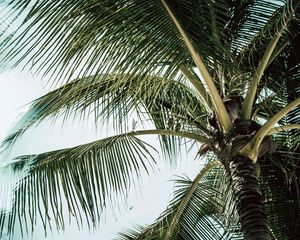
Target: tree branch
x=251 y=150
x=217 y=38
x=283 y=128
x=187 y=197
x=250 y=97
x=196 y=81
x=218 y=104
x=277 y=51
x=168 y=132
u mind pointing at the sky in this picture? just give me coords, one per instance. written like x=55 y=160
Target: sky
x=17 y=89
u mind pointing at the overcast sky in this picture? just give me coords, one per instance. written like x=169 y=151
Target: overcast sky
x=19 y=88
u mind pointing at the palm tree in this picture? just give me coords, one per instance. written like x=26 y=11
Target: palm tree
x=223 y=74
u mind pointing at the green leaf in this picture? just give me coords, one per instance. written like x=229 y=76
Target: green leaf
x=208 y=214
x=83 y=179
x=115 y=97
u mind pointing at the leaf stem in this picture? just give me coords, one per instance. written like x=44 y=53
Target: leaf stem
x=196 y=81
x=187 y=197
x=283 y=128
x=250 y=96
x=218 y=104
x=194 y=136
x=277 y=51
x=251 y=150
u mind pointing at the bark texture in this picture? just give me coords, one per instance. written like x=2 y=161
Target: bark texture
x=249 y=199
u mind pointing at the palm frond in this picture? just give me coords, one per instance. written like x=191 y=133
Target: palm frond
x=283 y=81
x=280 y=190
x=264 y=20
x=89 y=177
x=214 y=216
x=90 y=37
x=131 y=234
x=115 y=98
x=287 y=148
x=208 y=214
x=248 y=17
x=285 y=17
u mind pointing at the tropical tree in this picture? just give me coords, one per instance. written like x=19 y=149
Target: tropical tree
x=223 y=74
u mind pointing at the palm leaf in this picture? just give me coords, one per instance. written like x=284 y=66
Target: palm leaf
x=280 y=189
x=285 y=17
x=131 y=234
x=116 y=97
x=122 y=36
x=207 y=214
x=248 y=17
x=210 y=212
x=89 y=177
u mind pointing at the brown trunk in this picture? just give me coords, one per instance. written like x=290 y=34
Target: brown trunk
x=249 y=199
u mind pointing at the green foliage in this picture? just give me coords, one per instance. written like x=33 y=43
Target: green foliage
x=112 y=59
x=88 y=177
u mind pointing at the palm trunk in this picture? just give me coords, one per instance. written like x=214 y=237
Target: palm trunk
x=249 y=199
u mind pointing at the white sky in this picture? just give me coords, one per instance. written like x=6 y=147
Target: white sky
x=19 y=88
